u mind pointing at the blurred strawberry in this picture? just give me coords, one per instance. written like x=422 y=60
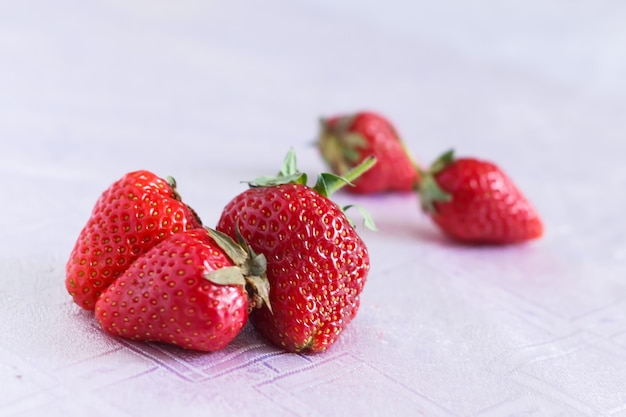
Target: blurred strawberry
x=346 y=141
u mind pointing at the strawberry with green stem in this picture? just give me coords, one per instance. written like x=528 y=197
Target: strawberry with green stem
x=194 y=290
x=474 y=201
x=317 y=264
x=347 y=140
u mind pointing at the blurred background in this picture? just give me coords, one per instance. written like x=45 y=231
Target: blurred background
x=89 y=90
x=199 y=72
x=216 y=92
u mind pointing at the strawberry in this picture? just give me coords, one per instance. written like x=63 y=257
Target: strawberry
x=317 y=264
x=474 y=201
x=189 y=291
x=345 y=141
x=131 y=216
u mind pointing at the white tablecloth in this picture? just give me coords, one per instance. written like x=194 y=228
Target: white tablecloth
x=215 y=92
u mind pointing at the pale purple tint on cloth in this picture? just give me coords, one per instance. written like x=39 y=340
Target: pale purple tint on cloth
x=215 y=93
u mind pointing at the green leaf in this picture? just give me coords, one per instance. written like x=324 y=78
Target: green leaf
x=258 y=265
x=328 y=183
x=235 y=252
x=241 y=240
x=288 y=174
x=428 y=190
x=230 y=275
x=267 y=181
x=441 y=162
x=353 y=140
x=290 y=165
x=368 y=221
x=343 y=124
x=430 y=193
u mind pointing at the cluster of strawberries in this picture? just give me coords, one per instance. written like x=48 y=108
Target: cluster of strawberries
x=471 y=200
x=282 y=253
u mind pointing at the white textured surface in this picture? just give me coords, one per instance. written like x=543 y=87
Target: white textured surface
x=215 y=92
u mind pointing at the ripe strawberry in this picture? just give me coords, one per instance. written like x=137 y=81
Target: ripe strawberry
x=132 y=215
x=473 y=201
x=186 y=291
x=317 y=264
x=345 y=141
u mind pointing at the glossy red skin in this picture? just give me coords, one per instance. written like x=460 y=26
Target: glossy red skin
x=486 y=206
x=394 y=169
x=317 y=264
x=163 y=296
x=131 y=216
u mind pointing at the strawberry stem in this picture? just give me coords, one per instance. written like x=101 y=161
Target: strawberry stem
x=429 y=191
x=368 y=221
x=360 y=169
x=249 y=270
x=327 y=183
x=235 y=252
x=288 y=174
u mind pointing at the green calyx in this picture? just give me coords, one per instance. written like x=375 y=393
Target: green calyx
x=248 y=271
x=326 y=183
x=341 y=148
x=288 y=174
x=338 y=145
x=429 y=191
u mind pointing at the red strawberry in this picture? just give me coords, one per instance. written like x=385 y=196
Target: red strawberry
x=345 y=141
x=185 y=291
x=475 y=202
x=317 y=264
x=131 y=216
